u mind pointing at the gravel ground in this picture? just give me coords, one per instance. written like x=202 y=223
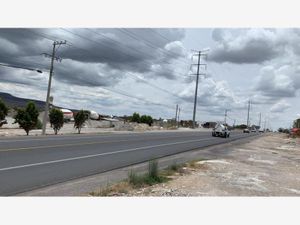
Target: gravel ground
x=268 y=166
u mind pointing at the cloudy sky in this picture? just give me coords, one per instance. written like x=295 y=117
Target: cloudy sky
x=121 y=71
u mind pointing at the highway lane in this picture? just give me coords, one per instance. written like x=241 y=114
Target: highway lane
x=27 y=163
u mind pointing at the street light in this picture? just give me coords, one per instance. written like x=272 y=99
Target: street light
x=21 y=67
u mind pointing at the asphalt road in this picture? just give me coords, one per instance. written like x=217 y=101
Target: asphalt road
x=28 y=163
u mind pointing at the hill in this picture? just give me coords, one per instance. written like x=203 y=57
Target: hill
x=13 y=101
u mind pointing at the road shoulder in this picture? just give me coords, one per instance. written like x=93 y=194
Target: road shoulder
x=85 y=185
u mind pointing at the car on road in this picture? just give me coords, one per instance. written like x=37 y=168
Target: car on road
x=253 y=130
x=246 y=130
x=220 y=130
x=261 y=130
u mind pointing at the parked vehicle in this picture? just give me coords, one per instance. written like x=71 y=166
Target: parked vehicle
x=253 y=130
x=221 y=130
x=246 y=130
x=261 y=130
x=68 y=115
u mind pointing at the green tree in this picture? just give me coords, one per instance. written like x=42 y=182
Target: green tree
x=27 y=118
x=136 y=118
x=150 y=120
x=3 y=110
x=241 y=126
x=79 y=120
x=146 y=119
x=56 y=117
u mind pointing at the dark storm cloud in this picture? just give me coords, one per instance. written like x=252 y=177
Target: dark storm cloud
x=9 y=75
x=87 y=74
x=95 y=57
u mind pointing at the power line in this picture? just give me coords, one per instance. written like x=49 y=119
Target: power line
x=151 y=44
x=98 y=43
x=150 y=84
x=118 y=43
x=143 y=80
x=109 y=46
x=112 y=90
x=22 y=62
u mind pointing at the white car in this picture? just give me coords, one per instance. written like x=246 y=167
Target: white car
x=221 y=130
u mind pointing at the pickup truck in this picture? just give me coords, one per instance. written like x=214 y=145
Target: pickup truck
x=221 y=130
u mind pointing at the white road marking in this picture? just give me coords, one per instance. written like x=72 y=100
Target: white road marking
x=82 y=144
x=77 y=137
x=100 y=154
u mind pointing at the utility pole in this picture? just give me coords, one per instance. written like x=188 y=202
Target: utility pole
x=259 y=120
x=53 y=57
x=265 y=123
x=178 y=117
x=199 y=54
x=225 y=116
x=248 y=114
x=176 y=114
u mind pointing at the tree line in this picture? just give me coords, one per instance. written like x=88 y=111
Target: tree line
x=141 y=119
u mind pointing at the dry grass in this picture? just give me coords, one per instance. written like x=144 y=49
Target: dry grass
x=136 y=181
x=194 y=164
x=117 y=189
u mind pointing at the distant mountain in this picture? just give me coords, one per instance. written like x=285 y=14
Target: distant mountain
x=13 y=101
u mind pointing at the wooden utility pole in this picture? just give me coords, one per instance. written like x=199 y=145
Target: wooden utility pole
x=53 y=57
x=178 y=117
x=176 y=114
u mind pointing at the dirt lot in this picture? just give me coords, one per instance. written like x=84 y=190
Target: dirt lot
x=268 y=166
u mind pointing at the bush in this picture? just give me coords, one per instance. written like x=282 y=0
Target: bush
x=174 y=167
x=56 y=119
x=135 y=180
x=3 y=110
x=27 y=118
x=152 y=177
x=153 y=169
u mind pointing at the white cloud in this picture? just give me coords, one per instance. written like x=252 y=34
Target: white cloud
x=278 y=82
x=250 y=46
x=214 y=96
x=280 y=107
